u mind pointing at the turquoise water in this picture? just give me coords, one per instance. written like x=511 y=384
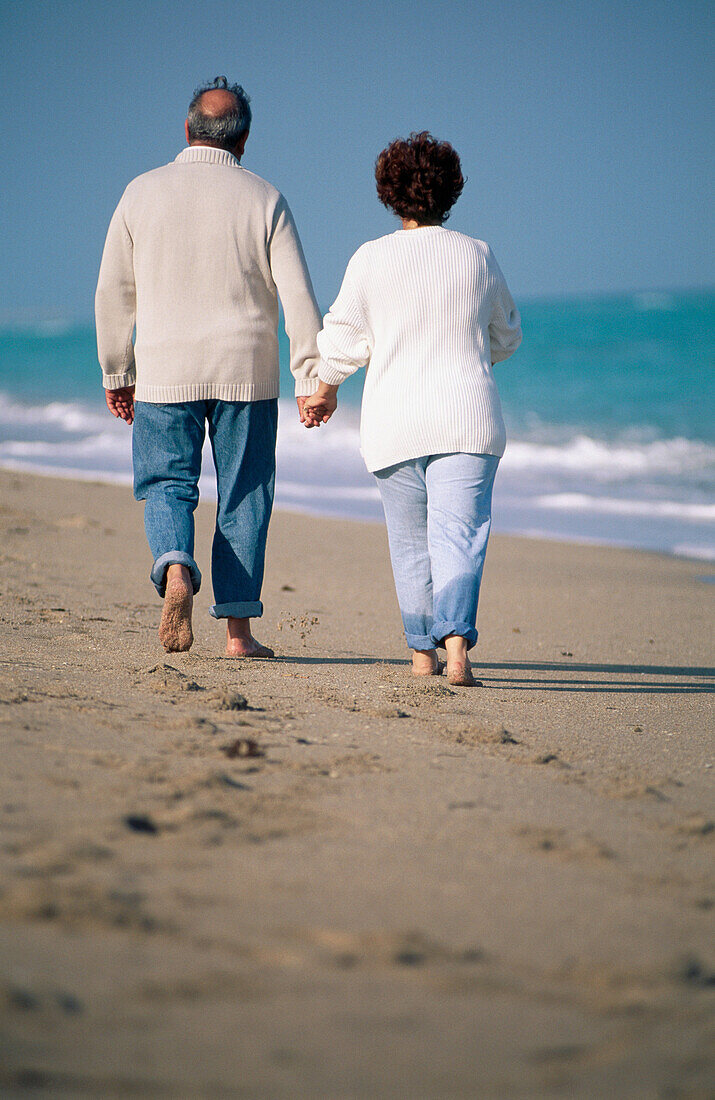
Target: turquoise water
x=609 y=406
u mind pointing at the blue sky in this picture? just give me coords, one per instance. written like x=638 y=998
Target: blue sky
x=584 y=127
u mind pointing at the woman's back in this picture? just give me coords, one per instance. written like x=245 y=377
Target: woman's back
x=429 y=310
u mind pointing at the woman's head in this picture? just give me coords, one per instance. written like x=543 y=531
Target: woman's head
x=419 y=178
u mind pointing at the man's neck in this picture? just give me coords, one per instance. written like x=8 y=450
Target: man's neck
x=213 y=145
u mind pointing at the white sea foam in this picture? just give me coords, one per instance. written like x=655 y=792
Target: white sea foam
x=610 y=461
x=691 y=550
x=582 y=502
x=64 y=415
x=92 y=447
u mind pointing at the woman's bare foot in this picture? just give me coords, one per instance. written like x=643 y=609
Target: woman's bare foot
x=426 y=663
x=461 y=676
x=175 y=633
x=459 y=670
x=241 y=643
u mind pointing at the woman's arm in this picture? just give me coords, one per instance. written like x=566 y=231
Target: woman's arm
x=344 y=345
x=505 y=322
x=344 y=342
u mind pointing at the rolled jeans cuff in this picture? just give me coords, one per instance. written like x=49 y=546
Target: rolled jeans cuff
x=242 y=609
x=419 y=641
x=174 y=557
x=442 y=630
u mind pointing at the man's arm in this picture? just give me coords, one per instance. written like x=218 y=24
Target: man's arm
x=300 y=309
x=115 y=314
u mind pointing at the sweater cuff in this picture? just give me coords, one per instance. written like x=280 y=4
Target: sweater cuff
x=119 y=381
x=306 y=387
x=330 y=375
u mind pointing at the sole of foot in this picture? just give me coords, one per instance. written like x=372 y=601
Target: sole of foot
x=175 y=632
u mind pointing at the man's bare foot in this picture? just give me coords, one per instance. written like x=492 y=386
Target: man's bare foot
x=175 y=633
x=426 y=663
x=459 y=670
x=241 y=643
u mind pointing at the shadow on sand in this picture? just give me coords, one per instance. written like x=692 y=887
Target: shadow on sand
x=673 y=679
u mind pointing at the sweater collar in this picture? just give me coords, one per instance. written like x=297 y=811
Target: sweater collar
x=208 y=154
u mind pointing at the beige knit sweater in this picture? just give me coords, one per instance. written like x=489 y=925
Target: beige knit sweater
x=197 y=254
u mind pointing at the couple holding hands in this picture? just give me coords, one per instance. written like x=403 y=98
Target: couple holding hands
x=198 y=252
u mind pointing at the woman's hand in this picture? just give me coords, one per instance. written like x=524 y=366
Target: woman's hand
x=320 y=407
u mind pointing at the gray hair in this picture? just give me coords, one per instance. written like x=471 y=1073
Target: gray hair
x=222 y=130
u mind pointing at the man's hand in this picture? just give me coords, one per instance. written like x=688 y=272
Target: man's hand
x=301 y=402
x=121 y=403
x=320 y=407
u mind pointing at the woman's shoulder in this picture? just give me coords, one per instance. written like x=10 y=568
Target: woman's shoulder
x=377 y=244
x=467 y=241
x=368 y=253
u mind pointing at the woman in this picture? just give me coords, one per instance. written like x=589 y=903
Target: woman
x=429 y=311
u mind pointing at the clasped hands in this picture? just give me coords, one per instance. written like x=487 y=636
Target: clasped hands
x=318 y=408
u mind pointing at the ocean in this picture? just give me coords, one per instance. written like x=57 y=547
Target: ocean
x=608 y=403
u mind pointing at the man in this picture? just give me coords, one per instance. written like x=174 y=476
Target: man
x=197 y=253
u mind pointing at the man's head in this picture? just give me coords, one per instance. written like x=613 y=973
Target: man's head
x=219 y=115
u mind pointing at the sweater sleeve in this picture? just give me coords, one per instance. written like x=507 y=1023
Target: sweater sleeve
x=344 y=342
x=505 y=322
x=295 y=290
x=115 y=306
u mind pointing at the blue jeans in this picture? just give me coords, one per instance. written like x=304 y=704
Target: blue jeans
x=438 y=511
x=166 y=445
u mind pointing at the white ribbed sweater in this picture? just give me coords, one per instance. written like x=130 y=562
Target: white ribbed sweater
x=197 y=253
x=428 y=311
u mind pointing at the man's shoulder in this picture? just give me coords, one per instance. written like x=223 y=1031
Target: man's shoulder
x=261 y=186
x=166 y=175
x=146 y=180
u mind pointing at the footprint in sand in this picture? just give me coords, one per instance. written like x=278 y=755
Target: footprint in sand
x=557 y=842
x=23 y=999
x=484 y=735
x=384 y=948
x=75 y=905
x=547 y=758
x=227 y=700
x=166 y=679
x=697 y=825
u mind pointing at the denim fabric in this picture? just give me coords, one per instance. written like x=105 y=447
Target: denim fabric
x=438 y=514
x=167 y=443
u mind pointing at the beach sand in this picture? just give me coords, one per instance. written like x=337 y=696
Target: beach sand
x=317 y=877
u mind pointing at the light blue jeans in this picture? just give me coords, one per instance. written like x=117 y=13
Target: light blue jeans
x=438 y=511
x=166 y=445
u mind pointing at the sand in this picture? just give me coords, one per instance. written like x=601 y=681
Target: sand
x=316 y=877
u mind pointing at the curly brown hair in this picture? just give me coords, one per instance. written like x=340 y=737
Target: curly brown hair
x=419 y=178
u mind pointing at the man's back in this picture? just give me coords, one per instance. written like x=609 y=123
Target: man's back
x=206 y=247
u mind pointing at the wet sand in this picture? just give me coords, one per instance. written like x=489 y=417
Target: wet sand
x=316 y=877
